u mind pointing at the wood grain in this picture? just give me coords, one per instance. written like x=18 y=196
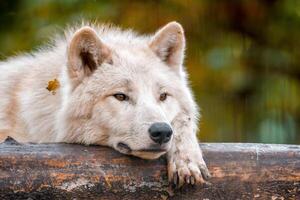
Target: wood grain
x=70 y=171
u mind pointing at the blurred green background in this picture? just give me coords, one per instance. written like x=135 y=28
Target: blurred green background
x=243 y=56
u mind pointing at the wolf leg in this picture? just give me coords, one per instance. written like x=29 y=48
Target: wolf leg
x=185 y=161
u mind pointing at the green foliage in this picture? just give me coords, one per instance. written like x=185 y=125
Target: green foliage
x=243 y=56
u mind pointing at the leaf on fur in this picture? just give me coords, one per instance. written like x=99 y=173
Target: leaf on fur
x=53 y=85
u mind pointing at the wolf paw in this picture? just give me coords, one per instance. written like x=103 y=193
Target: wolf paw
x=187 y=171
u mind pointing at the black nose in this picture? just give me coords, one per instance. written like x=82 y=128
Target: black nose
x=160 y=132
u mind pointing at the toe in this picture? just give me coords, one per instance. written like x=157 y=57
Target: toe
x=196 y=173
x=171 y=171
x=204 y=172
x=183 y=172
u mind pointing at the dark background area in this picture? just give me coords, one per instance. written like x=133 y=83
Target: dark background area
x=243 y=56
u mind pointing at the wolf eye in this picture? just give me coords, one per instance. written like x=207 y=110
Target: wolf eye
x=163 y=96
x=121 y=97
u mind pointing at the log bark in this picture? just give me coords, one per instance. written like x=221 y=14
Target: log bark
x=70 y=171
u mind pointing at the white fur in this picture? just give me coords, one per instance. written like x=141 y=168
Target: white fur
x=83 y=109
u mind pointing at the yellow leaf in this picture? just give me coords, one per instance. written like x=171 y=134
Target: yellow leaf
x=53 y=85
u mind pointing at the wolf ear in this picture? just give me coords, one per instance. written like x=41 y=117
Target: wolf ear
x=85 y=53
x=169 y=44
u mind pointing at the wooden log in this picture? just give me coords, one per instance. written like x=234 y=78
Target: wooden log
x=69 y=171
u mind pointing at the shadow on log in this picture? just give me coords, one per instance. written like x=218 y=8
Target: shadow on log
x=69 y=171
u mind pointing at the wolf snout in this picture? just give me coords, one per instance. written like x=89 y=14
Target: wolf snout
x=160 y=132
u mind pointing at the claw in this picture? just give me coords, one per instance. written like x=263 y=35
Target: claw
x=187 y=179
x=180 y=181
x=204 y=172
x=175 y=179
x=192 y=180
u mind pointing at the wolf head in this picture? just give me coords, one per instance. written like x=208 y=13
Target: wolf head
x=124 y=90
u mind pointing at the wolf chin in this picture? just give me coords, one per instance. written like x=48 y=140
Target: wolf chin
x=114 y=88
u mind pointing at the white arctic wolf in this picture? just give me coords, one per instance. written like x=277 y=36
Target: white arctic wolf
x=101 y=85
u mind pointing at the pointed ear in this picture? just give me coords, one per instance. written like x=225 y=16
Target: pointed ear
x=86 y=52
x=168 y=44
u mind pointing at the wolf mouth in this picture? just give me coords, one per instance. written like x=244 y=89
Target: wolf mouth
x=153 y=150
x=124 y=148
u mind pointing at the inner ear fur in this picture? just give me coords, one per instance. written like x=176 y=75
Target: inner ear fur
x=169 y=44
x=86 y=52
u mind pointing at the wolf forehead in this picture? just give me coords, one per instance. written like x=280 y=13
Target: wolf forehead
x=126 y=56
x=110 y=33
x=167 y=42
x=117 y=37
